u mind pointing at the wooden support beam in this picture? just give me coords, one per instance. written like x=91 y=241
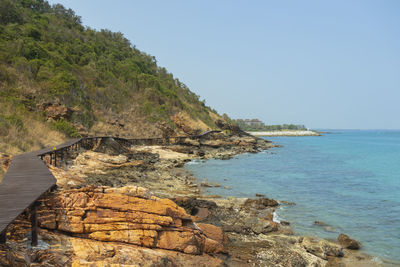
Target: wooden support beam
x=55 y=159
x=3 y=237
x=34 y=240
x=62 y=153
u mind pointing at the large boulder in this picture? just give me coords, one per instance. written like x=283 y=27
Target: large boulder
x=348 y=242
x=194 y=206
x=322 y=248
x=258 y=225
x=260 y=203
x=212 y=231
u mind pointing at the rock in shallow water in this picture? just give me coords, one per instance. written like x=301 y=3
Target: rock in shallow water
x=205 y=184
x=260 y=203
x=289 y=203
x=348 y=242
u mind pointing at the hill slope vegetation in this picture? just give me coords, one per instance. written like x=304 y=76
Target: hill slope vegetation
x=59 y=79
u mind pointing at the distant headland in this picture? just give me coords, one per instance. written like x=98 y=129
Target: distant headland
x=258 y=128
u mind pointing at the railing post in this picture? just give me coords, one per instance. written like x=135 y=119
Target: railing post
x=34 y=240
x=55 y=159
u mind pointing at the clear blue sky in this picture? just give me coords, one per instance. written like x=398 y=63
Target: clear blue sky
x=325 y=64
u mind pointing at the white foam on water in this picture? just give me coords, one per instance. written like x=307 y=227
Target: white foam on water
x=275 y=217
x=194 y=162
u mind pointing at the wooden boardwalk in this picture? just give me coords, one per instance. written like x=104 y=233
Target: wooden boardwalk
x=26 y=180
x=28 y=177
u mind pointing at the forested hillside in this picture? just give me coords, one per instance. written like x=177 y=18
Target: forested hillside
x=59 y=79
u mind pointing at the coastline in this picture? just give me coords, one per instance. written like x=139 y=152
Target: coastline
x=286 y=133
x=247 y=228
x=357 y=258
x=352 y=257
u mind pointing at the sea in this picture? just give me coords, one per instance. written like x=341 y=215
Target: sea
x=347 y=179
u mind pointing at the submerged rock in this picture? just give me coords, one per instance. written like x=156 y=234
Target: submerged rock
x=289 y=203
x=325 y=226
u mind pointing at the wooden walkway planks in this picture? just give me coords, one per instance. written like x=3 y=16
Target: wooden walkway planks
x=25 y=181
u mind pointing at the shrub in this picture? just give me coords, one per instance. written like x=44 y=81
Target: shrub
x=65 y=127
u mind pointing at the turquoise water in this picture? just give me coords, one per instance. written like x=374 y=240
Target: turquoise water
x=347 y=179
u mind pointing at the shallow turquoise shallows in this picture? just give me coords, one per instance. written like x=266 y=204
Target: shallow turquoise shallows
x=349 y=180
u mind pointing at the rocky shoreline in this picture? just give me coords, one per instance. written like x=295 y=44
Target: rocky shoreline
x=138 y=206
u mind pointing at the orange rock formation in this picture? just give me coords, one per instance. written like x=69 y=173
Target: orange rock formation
x=129 y=215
